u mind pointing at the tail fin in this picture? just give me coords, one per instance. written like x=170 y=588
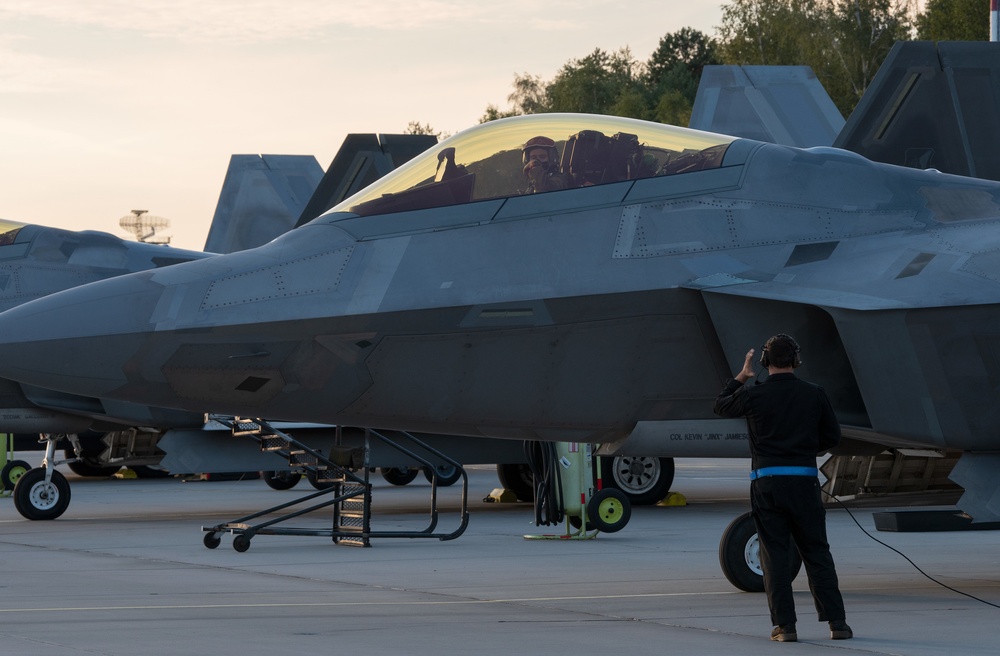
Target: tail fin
x=779 y=104
x=261 y=198
x=361 y=160
x=932 y=105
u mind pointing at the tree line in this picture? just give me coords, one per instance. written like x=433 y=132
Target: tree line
x=843 y=41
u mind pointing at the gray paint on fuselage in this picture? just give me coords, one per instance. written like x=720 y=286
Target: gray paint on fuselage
x=513 y=318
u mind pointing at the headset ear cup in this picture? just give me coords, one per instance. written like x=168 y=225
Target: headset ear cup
x=764 y=360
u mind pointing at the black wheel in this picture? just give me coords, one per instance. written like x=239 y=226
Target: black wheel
x=211 y=540
x=644 y=479
x=399 y=475
x=446 y=474
x=36 y=499
x=88 y=464
x=281 y=480
x=241 y=543
x=12 y=473
x=739 y=555
x=518 y=479
x=609 y=510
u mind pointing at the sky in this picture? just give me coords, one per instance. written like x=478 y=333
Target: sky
x=112 y=105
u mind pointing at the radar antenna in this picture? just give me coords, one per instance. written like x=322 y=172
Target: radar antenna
x=144 y=226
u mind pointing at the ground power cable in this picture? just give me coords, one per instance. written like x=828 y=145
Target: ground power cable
x=544 y=464
x=915 y=566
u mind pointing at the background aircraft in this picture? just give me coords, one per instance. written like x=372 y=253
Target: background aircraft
x=262 y=196
x=779 y=104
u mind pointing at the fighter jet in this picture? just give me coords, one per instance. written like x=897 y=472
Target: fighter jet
x=445 y=299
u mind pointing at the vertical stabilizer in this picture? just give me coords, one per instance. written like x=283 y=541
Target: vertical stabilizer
x=361 y=160
x=262 y=197
x=932 y=105
x=780 y=104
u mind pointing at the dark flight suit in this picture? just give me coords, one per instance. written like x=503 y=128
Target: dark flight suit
x=790 y=421
x=543 y=178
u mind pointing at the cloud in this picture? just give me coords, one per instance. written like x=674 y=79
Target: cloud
x=255 y=21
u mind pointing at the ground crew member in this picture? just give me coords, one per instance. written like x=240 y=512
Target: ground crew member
x=789 y=421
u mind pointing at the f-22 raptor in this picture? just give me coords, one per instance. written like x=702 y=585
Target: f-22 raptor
x=444 y=299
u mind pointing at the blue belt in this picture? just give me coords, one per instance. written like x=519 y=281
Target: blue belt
x=783 y=471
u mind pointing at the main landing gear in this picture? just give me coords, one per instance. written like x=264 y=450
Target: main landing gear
x=739 y=555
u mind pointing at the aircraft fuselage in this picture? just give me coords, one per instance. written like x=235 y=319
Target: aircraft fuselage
x=571 y=315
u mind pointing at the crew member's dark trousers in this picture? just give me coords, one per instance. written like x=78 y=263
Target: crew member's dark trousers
x=786 y=507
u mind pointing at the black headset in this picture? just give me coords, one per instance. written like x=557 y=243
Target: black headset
x=765 y=360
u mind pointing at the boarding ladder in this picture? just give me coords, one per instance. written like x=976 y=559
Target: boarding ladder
x=349 y=493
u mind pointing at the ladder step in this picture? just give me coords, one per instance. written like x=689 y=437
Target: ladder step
x=324 y=475
x=246 y=427
x=302 y=458
x=351 y=523
x=273 y=443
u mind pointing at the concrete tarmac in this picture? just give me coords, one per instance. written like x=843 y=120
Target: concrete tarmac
x=125 y=572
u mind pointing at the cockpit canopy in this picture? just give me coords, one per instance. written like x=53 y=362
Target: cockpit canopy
x=486 y=161
x=8 y=231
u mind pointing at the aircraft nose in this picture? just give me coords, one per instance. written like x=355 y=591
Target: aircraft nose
x=78 y=340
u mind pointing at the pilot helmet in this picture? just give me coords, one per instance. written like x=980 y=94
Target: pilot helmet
x=540 y=142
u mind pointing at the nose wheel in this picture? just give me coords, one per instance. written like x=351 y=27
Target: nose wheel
x=41 y=494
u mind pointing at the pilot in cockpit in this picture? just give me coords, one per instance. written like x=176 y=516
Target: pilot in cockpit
x=541 y=166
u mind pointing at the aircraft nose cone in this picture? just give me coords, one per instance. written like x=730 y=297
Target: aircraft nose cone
x=78 y=340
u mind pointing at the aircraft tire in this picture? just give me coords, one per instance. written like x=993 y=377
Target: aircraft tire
x=739 y=555
x=517 y=478
x=281 y=480
x=36 y=499
x=446 y=475
x=644 y=479
x=399 y=475
x=12 y=472
x=609 y=510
